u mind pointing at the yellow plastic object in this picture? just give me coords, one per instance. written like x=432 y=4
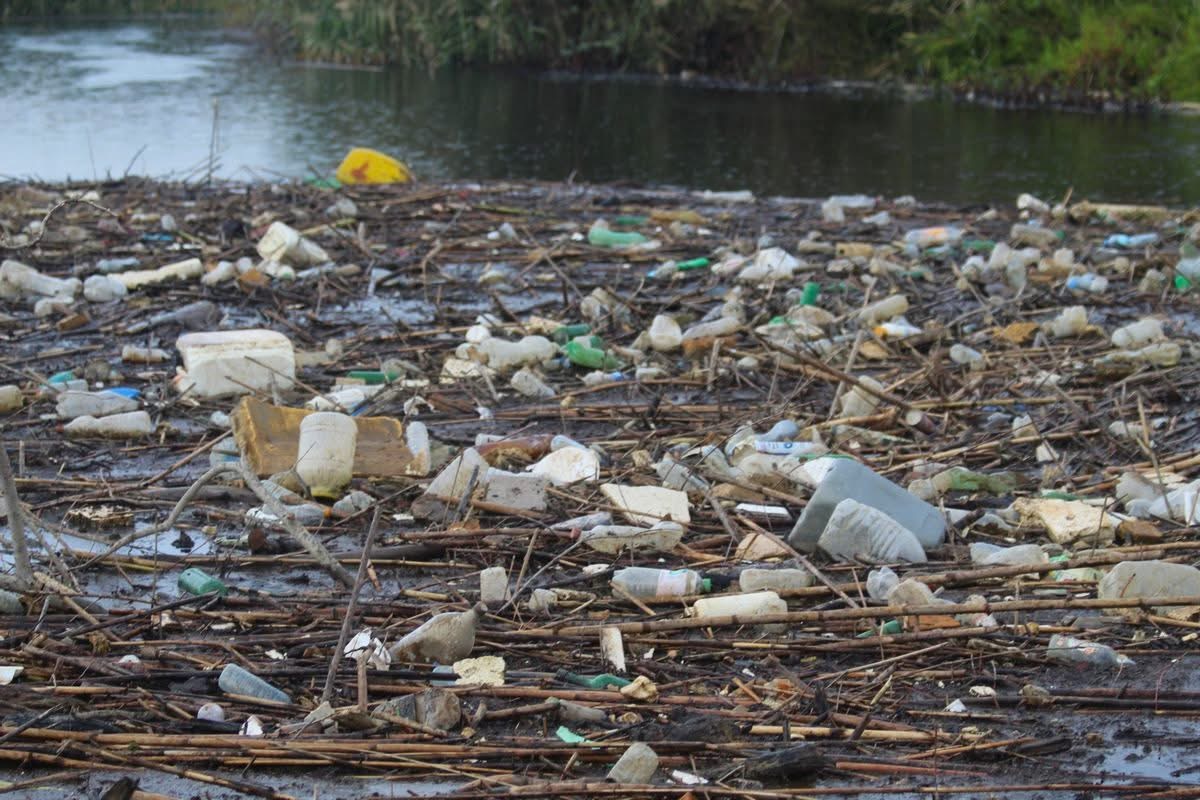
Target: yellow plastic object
x=364 y=165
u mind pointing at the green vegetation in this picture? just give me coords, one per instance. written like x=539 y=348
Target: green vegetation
x=1125 y=48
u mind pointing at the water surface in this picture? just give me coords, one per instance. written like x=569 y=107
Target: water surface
x=98 y=101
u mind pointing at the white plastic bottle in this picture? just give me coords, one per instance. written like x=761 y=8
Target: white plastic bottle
x=647 y=583
x=325 y=460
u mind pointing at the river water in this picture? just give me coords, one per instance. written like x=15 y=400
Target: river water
x=89 y=102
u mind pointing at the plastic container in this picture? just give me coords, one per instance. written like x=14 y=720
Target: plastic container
x=753 y=604
x=600 y=235
x=11 y=398
x=10 y=603
x=850 y=479
x=493 y=586
x=1033 y=235
x=116 y=426
x=285 y=245
x=502 y=355
x=197 y=581
x=221 y=363
x=1138 y=334
x=325 y=460
x=665 y=334
x=235 y=680
x=364 y=165
x=967 y=356
x=647 y=583
x=858 y=531
x=725 y=326
x=1127 y=241
x=445 y=638
x=881 y=582
x=635 y=766
x=103 y=289
x=95 y=404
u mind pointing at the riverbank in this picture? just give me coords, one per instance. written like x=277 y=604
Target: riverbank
x=982 y=359
x=1130 y=53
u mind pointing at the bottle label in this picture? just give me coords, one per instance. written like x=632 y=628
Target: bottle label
x=672 y=583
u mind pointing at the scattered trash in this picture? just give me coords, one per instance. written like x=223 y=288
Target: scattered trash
x=364 y=165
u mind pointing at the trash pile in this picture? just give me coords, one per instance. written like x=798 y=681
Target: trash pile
x=562 y=490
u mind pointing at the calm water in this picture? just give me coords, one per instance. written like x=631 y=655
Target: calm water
x=90 y=102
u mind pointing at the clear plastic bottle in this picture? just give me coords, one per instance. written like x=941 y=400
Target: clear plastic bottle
x=117 y=426
x=235 y=680
x=662 y=538
x=647 y=583
x=326 y=452
x=1069 y=650
x=933 y=237
x=1088 y=282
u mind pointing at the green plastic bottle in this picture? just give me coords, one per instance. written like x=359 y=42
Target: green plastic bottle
x=197 y=581
x=583 y=356
x=602 y=681
x=812 y=290
x=568 y=332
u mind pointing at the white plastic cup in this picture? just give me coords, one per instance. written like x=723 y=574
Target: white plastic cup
x=325 y=460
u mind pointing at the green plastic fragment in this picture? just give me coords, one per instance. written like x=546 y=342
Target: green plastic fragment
x=372 y=377
x=961 y=479
x=323 y=183
x=569 y=736
x=978 y=245
x=1054 y=494
x=581 y=355
x=62 y=377
x=601 y=681
x=692 y=263
x=629 y=220
x=568 y=332
x=889 y=628
x=197 y=581
x=1182 y=283
x=812 y=291
x=599 y=236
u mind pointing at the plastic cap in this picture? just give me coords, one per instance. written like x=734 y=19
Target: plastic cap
x=706 y=585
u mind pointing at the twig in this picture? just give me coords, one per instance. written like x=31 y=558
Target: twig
x=16 y=521
x=348 y=619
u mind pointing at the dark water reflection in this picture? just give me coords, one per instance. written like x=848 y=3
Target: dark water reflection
x=83 y=102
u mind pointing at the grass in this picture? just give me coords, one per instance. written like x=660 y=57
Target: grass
x=1124 y=48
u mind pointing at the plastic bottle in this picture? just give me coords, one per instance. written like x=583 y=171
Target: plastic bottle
x=1126 y=241
x=754 y=579
x=219 y=363
x=193 y=317
x=235 y=680
x=985 y=554
x=578 y=713
x=116 y=426
x=445 y=637
x=881 y=582
x=325 y=460
x=646 y=583
x=180 y=270
x=1033 y=235
x=784 y=429
x=566 y=333
x=591 y=357
x=635 y=766
x=662 y=538
x=107 y=265
x=602 y=681
x=752 y=604
x=197 y=581
x=1088 y=282
x=794 y=449
x=307 y=514
x=28 y=282
x=724 y=326
x=132 y=354
x=1071 y=321
x=676 y=475
x=855 y=530
x=924 y=238
x=1069 y=650
x=528 y=384
x=883 y=310
x=95 y=404
x=665 y=334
